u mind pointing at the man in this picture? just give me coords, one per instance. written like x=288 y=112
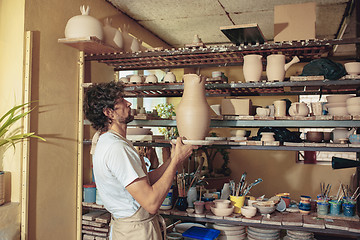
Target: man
x=128 y=192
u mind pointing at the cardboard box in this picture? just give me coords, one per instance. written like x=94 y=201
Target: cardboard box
x=236 y=106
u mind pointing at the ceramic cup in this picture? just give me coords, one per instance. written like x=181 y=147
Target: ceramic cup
x=199 y=207
x=262 y=112
x=349 y=208
x=237 y=202
x=322 y=207
x=335 y=207
x=280 y=108
x=317 y=108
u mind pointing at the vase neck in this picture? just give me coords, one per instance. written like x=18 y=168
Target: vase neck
x=194 y=88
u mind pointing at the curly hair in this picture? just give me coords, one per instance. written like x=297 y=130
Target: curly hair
x=99 y=97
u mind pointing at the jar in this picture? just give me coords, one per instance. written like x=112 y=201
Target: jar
x=199 y=207
x=191 y=196
x=167 y=203
x=181 y=203
x=335 y=207
x=349 y=208
x=305 y=205
x=322 y=207
x=89 y=193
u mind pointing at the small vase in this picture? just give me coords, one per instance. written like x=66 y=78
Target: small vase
x=181 y=203
x=191 y=196
x=112 y=36
x=83 y=25
x=193 y=111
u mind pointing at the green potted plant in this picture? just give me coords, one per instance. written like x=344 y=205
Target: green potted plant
x=8 y=138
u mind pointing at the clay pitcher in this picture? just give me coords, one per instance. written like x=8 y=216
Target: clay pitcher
x=193 y=111
x=252 y=68
x=298 y=109
x=276 y=67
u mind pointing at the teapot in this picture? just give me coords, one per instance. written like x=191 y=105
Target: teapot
x=276 y=67
x=298 y=109
x=341 y=133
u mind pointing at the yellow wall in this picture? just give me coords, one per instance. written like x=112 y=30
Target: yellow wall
x=11 y=85
x=278 y=169
x=53 y=168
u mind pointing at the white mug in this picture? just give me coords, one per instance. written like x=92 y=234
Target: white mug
x=280 y=108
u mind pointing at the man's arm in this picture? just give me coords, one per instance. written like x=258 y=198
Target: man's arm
x=151 y=197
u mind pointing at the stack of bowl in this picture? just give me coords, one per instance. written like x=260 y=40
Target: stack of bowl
x=222 y=208
x=336 y=104
x=263 y=233
x=295 y=235
x=353 y=106
x=229 y=231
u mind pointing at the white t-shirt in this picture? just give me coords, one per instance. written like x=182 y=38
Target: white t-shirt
x=116 y=164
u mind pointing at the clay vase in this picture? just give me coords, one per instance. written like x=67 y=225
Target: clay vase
x=83 y=25
x=112 y=36
x=193 y=111
x=276 y=67
x=252 y=68
x=298 y=109
x=127 y=39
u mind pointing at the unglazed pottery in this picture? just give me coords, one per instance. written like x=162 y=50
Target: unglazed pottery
x=151 y=78
x=252 y=68
x=313 y=136
x=280 y=108
x=136 y=79
x=353 y=101
x=337 y=98
x=170 y=77
x=341 y=133
x=248 y=211
x=112 y=36
x=352 y=68
x=276 y=67
x=298 y=109
x=262 y=112
x=222 y=203
x=222 y=212
x=267 y=136
x=317 y=108
x=127 y=39
x=83 y=25
x=193 y=111
x=135 y=45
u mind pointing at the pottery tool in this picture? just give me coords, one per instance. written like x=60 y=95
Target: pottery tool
x=356 y=197
x=355 y=192
x=257 y=181
x=337 y=195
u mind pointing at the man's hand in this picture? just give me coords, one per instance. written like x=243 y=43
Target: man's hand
x=180 y=152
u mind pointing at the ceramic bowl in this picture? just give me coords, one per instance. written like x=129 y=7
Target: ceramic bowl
x=222 y=203
x=353 y=101
x=222 y=212
x=248 y=211
x=314 y=136
x=353 y=110
x=336 y=98
x=336 y=104
x=251 y=202
x=264 y=203
x=338 y=111
x=265 y=209
x=352 y=68
x=190 y=210
x=238 y=133
x=136 y=79
x=124 y=80
x=151 y=79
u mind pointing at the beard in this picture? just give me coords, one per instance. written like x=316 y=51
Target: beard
x=129 y=119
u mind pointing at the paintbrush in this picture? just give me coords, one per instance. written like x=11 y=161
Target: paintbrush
x=355 y=192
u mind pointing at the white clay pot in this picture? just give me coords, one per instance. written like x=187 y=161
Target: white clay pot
x=151 y=79
x=252 y=68
x=299 y=109
x=83 y=25
x=135 y=45
x=267 y=136
x=193 y=111
x=136 y=79
x=276 y=67
x=170 y=77
x=112 y=36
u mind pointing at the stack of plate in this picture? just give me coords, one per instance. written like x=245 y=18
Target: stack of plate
x=262 y=234
x=229 y=231
x=297 y=235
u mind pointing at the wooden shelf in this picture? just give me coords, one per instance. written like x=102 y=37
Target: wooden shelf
x=225 y=55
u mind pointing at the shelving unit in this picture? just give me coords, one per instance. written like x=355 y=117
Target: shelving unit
x=93 y=49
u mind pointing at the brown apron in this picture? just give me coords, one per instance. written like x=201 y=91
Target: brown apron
x=141 y=225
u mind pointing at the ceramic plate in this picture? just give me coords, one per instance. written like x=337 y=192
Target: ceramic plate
x=215 y=138
x=226 y=227
x=195 y=142
x=182 y=227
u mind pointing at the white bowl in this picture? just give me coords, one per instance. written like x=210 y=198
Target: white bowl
x=352 y=68
x=248 y=211
x=238 y=133
x=338 y=111
x=222 y=212
x=338 y=104
x=353 y=101
x=353 y=110
x=336 y=98
x=151 y=78
x=136 y=79
x=265 y=209
x=222 y=203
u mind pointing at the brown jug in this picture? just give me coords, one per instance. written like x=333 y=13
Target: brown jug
x=193 y=111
